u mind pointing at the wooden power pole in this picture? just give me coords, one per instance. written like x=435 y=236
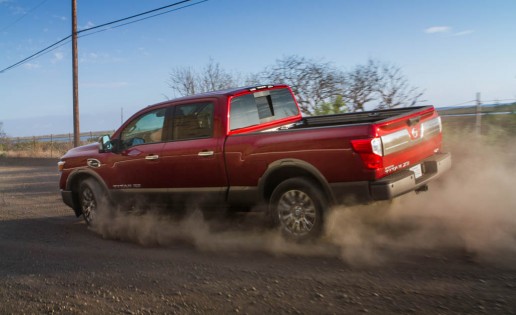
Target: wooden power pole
x=76 y=129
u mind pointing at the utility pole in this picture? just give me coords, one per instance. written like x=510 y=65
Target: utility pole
x=478 y=125
x=75 y=66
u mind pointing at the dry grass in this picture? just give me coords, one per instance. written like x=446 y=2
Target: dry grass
x=34 y=149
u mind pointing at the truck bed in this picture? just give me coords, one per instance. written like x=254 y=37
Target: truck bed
x=354 y=118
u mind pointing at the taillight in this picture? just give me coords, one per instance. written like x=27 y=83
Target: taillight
x=370 y=151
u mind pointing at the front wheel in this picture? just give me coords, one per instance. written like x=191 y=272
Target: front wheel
x=92 y=198
x=297 y=206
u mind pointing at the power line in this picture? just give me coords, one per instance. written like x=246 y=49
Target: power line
x=23 y=15
x=485 y=102
x=66 y=40
x=145 y=18
x=463 y=103
x=133 y=16
x=36 y=54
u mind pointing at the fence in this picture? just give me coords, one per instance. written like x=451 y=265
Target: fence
x=500 y=123
x=493 y=123
x=52 y=145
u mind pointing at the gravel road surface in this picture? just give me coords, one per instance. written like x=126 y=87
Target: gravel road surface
x=401 y=263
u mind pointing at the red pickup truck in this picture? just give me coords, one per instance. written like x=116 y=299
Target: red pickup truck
x=251 y=146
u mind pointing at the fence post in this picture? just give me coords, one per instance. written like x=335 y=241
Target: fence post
x=478 y=112
x=51 y=146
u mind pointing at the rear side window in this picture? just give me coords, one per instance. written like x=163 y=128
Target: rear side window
x=193 y=121
x=261 y=107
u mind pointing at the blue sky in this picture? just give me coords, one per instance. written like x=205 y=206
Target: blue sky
x=450 y=49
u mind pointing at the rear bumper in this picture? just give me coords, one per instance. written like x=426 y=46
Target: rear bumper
x=405 y=181
x=393 y=185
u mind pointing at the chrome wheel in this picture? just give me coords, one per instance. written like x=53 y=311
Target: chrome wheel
x=297 y=207
x=91 y=199
x=88 y=204
x=297 y=212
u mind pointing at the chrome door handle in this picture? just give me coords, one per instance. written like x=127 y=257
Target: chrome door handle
x=205 y=153
x=152 y=157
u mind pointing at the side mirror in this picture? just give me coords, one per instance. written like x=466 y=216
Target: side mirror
x=105 y=144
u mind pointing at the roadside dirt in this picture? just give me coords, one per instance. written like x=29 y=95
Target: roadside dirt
x=451 y=250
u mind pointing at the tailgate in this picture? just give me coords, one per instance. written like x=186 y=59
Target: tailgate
x=409 y=138
x=403 y=141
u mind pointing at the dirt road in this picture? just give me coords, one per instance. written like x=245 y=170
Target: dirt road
x=401 y=263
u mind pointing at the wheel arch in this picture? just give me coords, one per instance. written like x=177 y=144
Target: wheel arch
x=282 y=170
x=75 y=179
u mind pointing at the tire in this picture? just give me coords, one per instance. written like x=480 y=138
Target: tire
x=297 y=207
x=92 y=199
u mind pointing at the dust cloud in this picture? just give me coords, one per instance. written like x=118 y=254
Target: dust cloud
x=246 y=232
x=472 y=208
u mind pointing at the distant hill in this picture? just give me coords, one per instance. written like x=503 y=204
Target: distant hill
x=471 y=109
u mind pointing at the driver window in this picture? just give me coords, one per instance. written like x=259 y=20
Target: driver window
x=145 y=129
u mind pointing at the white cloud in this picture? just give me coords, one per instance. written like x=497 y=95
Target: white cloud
x=105 y=85
x=17 y=10
x=58 y=56
x=446 y=30
x=462 y=33
x=437 y=29
x=143 y=51
x=31 y=66
x=88 y=25
x=98 y=58
x=60 y=17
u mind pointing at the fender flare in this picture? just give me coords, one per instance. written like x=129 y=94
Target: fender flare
x=294 y=163
x=71 y=183
x=84 y=171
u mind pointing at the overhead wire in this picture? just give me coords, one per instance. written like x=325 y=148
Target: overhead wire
x=67 y=39
x=484 y=102
x=23 y=15
x=33 y=56
x=133 y=16
x=145 y=18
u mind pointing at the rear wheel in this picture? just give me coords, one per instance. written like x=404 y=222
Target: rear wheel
x=297 y=206
x=92 y=198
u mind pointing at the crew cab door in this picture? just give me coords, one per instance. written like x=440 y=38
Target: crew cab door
x=192 y=162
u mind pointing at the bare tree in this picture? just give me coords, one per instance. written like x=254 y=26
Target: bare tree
x=319 y=87
x=380 y=84
x=360 y=85
x=185 y=81
x=314 y=83
x=393 y=88
x=213 y=78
